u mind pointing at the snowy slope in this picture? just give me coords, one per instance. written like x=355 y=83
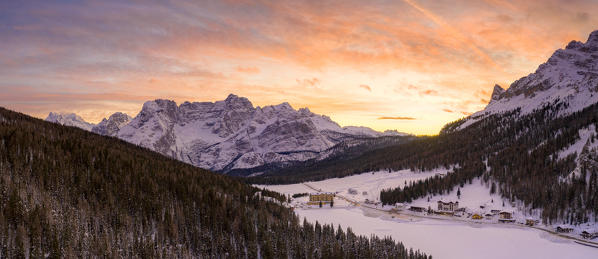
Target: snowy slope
x=570 y=77
x=69 y=119
x=232 y=134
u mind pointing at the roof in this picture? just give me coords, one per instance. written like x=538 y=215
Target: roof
x=450 y=202
x=320 y=193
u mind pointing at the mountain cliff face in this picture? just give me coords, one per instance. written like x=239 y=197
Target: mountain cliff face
x=232 y=134
x=111 y=126
x=568 y=78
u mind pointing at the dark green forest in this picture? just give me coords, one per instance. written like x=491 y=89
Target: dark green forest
x=514 y=153
x=67 y=193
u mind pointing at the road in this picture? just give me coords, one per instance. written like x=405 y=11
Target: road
x=409 y=215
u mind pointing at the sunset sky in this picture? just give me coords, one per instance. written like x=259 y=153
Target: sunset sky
x=410 y=65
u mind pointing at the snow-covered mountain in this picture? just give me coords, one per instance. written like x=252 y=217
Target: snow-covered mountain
x=569 y=77
x=232 y=134
x=112 y=125
x=69 y=119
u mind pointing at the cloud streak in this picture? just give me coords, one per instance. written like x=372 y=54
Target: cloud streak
x=366 y=87
x=397 y=118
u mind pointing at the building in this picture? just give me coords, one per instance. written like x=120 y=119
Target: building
x=323 y=197
x=494 y=211
x=505 y=215
x=477 y=216
x=564 y=229
x=448 y=206
x=417 y=209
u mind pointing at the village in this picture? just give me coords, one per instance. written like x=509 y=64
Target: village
x=446 y=210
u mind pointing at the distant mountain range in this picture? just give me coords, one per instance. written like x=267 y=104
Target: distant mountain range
x=229 y=134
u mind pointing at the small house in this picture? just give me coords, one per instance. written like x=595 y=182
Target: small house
x=505 y=215
x=564 y=229
x=530 y=222
x=494 y=211
x=448 y=206
x=477 y=216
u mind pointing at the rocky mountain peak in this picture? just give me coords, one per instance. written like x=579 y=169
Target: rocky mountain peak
x=234 y=102
x=593 y=39
x=112 y=125
x=496 y=93
x=569 y=77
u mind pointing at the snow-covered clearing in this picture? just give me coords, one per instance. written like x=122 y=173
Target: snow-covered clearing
x=446 y=239
x=473 y=196
x=366 y=185
x=584 y=135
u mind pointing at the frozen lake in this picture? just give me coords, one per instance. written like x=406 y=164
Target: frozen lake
x=443 y=239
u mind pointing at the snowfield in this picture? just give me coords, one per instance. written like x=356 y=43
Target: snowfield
x=443 y=237
x=371 y=183
x=446 y=239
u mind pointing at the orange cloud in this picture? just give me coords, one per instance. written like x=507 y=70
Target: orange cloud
x=366 y=87
x=308 y=82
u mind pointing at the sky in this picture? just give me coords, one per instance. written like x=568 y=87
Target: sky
x=409 y=65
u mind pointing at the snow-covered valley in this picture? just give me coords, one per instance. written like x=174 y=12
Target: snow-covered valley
x=447 y=239
x=441 y=236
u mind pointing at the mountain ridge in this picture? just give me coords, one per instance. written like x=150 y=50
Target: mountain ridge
x=569 y=77
x=230 y=134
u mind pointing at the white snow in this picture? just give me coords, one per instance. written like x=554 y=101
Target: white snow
x=584 y=135
x=69 y=119
x=371 y=183
x=473 y=196
x=441 y=236
x=444 y=239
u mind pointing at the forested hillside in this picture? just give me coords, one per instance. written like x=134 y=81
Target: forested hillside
x=68 y=193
